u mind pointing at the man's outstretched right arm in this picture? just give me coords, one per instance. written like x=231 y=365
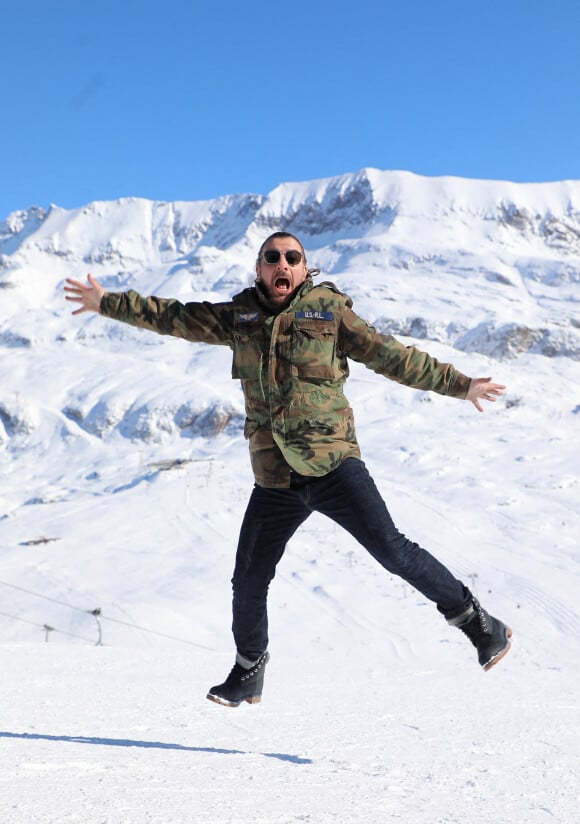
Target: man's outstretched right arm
x=198 y=321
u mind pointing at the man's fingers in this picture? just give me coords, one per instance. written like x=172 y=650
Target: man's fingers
x=79 y=286
x=74 y=287
x=88 y=294
x=487 y=386
x=484 y=389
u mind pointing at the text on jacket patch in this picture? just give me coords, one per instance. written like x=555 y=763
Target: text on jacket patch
x=312 y=315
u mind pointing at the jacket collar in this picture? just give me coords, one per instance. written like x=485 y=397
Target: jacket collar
x=274 y=309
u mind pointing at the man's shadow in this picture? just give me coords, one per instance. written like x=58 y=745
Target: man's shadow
x=158 y=745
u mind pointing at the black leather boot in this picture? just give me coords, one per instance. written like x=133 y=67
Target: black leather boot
x=241 y=685
x=489 y=635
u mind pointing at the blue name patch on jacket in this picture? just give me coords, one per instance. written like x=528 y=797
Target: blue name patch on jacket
x=315 y=315
x=248 y=317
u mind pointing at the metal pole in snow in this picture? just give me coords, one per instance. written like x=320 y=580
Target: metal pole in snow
x=96 y=613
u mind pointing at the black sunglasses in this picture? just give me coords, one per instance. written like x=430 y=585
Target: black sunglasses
x=293 y=257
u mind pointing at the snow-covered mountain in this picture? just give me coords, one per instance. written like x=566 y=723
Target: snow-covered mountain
x=515 y=245
x=124 y=475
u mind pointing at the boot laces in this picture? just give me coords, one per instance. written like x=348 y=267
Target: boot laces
x=478 y=625
x=255 y=669
x=482 y=614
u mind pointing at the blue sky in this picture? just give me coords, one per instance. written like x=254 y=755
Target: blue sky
x=187 y=101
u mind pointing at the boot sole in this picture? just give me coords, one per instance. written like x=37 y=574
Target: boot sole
x=217 y=699
x=496 y=658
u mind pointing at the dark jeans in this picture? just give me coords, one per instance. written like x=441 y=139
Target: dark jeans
x=347 y=495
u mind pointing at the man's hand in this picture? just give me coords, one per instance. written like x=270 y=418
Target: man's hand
x=483 y=389
x=88 y=296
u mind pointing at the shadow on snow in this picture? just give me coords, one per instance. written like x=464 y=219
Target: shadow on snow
x=157 y=745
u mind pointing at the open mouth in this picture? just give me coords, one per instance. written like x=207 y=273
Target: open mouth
x=282 y=285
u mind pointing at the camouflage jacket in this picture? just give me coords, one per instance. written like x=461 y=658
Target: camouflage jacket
x=292 y=364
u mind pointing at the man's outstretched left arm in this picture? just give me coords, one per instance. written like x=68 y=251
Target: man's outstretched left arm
x=409 y=365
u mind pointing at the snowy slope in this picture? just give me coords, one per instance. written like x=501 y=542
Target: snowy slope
x=124 y=476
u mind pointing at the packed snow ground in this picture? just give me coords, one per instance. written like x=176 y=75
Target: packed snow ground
x=124 y=477
x=116 y=734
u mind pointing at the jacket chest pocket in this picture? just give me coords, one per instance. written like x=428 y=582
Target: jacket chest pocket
x=248 y=352
x=314 y=350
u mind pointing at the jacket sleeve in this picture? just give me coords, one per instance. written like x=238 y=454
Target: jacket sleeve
x=403 y=364
x=198 y=322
